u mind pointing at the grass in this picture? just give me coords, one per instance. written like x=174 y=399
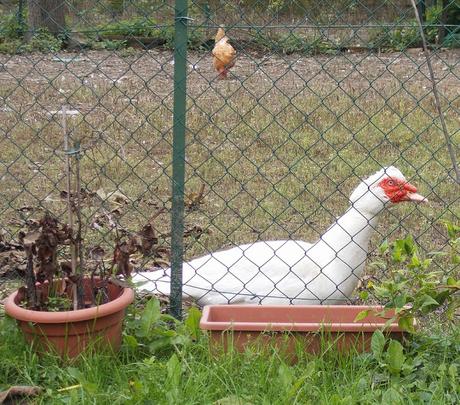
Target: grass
x=279 y=147
x=191 y=374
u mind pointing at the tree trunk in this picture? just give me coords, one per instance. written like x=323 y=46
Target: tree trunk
x=49 y=14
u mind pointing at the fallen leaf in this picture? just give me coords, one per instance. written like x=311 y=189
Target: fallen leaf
x=195 y=232
x=13 y=261
x=106 y=218
x=31 y=238
x=9 y=246
x=96 y=253
x=101 y=193
x=121 y=255
x=194 y=199
x=18 y=391
x=148 y=239
x=116 y=196
x=161 y=263
x=26 y=208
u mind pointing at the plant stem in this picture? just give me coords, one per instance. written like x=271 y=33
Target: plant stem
x=80 y=290
x=73 y=256
x=30 y=280
x=436 y=94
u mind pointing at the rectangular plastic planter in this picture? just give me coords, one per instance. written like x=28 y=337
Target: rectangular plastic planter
x=312 y=325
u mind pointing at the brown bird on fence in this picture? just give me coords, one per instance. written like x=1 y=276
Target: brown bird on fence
x=224 y=54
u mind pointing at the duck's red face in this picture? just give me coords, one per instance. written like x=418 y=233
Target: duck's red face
x=398 y=190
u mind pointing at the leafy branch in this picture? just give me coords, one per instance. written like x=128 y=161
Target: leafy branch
x=414 y=287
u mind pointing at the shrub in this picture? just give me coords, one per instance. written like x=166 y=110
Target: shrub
x=11 y=46
x=110 y=45
x=196 y=37
x=10 y=27
x=43 y=41
x=291 y=42
x=138 y=27
x=401 y=38
x=142 y=27
x=416 y=286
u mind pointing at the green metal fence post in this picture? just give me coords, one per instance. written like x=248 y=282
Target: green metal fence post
x=20 y=18
x=421 y=6
x=177 y=220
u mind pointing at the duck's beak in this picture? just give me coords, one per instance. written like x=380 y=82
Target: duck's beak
x=412 y=195
x=415 y=197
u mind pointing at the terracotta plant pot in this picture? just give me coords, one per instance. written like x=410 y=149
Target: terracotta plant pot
x=313 y=325
x=68 y=333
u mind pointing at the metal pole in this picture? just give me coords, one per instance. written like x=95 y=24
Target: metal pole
x=421 y=8
x=179 y=112
x=20 y=18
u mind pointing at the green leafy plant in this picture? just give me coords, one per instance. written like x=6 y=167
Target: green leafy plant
x=174 y=372
x=11 y=33
x=452 y=39
x=11 y=46
x=415 y=287
x=389 y=354
x=110 y=45
x=145 y=27
x=405 y=372
x=291 y=42
x=407 y=35
x=141 y=27
x=57 y=303
x=196 y=37
x=154 y=331
x=116 y=7
x=43 y=41
x=11 y=27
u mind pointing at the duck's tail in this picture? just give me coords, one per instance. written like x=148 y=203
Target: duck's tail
x=155 y=282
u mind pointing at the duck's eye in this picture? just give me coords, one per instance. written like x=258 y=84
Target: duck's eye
x=391 y=183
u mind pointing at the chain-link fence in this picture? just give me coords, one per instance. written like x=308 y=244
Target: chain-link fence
x=321 y=96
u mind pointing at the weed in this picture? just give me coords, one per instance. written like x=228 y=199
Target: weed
x=423 y=370
x=141 y=27
x=11 y=46
x=42 y=41
x=418 y=286
x=148 y=28
x=408 y=36
x=289 y=43
x=10 y=27
x=152 y=331
x=110 y=45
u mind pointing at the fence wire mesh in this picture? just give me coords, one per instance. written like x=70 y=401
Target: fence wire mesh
x=321 y=96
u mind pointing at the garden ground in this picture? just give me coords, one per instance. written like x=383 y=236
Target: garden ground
x=149 y=370
x=279 y=148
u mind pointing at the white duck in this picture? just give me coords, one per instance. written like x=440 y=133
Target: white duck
x=292 y=271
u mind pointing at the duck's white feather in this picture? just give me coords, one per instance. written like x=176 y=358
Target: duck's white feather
x=287 y=271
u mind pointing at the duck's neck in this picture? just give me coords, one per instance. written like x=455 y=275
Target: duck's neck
x=343 y=248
